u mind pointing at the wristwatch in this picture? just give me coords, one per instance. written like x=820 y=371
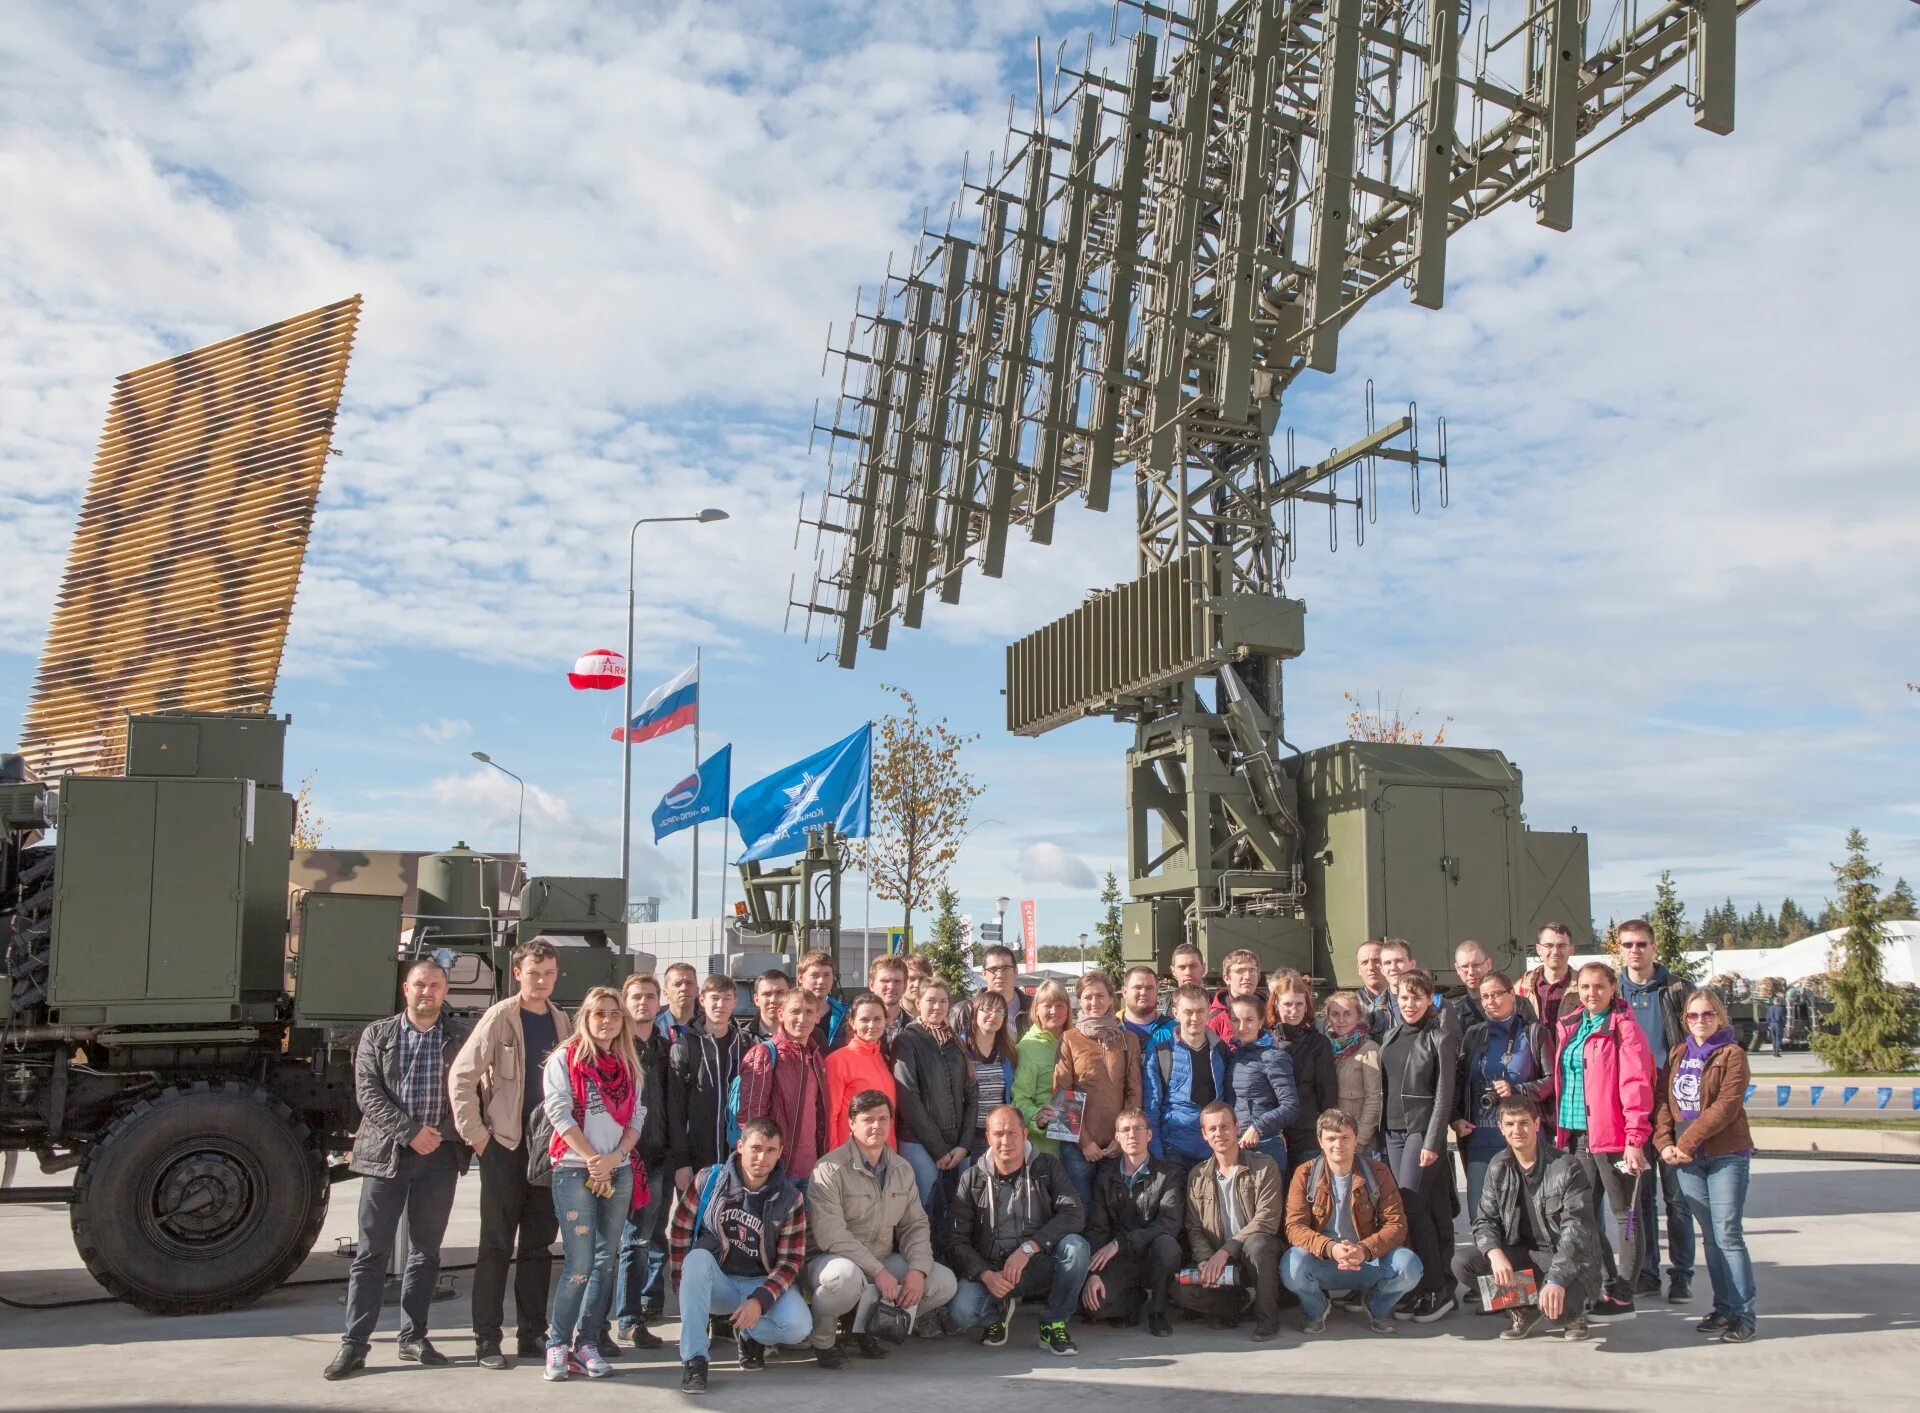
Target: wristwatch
x=1030 y=1247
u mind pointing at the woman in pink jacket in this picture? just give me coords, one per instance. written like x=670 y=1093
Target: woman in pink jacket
x=1604 y=1107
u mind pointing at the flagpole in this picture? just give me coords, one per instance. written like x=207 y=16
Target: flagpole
x=695 y=889
x=726 y=828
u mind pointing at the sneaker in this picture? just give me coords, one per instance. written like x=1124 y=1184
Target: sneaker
x=606 y=1346
x=995 y=1334
x=1266 y=1331
x=1575 y=1329
x=559 y=1364
x=348 y=1361
x=1647 y=1284
x=1055 y=1339
x=1738 y=1332
x=591 y=1361
x=1679 y=1289
x=1157 y=1326
x=830 y=1356
x=869 y=1346
x=693 y=1375
x=1315 y=1324
x=1407 y=1304
x=1713 y=1324
x=1435 y=1306
x=1381 y=1324
x=1612 y=1307
x=753 y=1354
x=1520 y=1322
x=489 y=1355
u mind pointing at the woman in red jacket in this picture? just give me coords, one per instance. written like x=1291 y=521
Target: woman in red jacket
x=1604 y=1109
x=859 y=1065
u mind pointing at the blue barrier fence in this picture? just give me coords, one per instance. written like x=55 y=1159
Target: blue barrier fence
x=1881 y=1096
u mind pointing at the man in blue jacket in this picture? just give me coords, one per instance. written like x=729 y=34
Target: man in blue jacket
x=1185 y=1070
x=1658 y=999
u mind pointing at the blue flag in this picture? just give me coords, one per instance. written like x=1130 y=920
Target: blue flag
x=831 y=787
x=698 y=798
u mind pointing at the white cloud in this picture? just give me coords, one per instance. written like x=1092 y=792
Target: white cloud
x=445 y=728
x=1046 y=862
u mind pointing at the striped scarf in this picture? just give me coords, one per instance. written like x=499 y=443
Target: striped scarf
x=1573 y=1072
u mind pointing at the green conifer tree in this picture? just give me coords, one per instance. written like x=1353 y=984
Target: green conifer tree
x=1671 y=939
x=943 y=950
x=1873 y=1028
x=1107 y=955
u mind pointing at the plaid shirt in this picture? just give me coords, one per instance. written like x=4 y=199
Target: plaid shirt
x=423 y=1074
x=789 y=1251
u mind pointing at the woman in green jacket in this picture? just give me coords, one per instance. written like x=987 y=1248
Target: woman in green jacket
x=1034 y=1056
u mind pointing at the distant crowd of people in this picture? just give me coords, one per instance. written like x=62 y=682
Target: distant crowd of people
x=838 y=1175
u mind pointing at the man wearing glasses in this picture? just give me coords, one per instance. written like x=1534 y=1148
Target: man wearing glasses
x=1002 y=976
x=1659 y=1001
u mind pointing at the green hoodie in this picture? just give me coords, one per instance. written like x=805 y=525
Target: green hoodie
x=1033 y=1082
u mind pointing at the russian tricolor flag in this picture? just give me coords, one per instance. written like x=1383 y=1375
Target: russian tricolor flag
x=667 y=708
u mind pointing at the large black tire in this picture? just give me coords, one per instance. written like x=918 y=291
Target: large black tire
x=204 y=1198
x=26 y=926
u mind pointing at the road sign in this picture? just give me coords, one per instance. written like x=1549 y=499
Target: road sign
x=989 y=932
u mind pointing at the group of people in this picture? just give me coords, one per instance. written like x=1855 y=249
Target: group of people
x=833 y=1174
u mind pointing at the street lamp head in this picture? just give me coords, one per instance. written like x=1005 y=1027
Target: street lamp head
x=709 y=515
x=482 y=757
x=1002 y=904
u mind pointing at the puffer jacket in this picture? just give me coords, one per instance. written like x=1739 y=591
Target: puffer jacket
x=1373 y=1200
x=787 y=1082
x=1562 y=1204
x=1619 y=1080
x=1168 y=1096
x=1314 y=1082
x=867 y=1216
x=1260 y=1087
x=1419 y=1066
x=991 y=1215
x=936 y=1093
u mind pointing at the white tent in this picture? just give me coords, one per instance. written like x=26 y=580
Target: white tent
x=1899 y=958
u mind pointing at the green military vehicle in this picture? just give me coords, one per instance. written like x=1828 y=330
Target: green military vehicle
x=164 y=1040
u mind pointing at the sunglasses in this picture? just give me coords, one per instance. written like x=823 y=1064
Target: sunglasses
x=1635 y=946
x=1701 y=1015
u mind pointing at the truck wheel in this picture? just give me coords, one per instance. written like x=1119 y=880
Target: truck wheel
x=203 y=1198
x=25 y=928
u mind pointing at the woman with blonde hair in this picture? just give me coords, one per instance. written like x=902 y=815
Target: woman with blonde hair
x=1034 y=1059
x=591 y=1097
x=1316 y=1083
x=1356 y=1064
x=1100 y=1058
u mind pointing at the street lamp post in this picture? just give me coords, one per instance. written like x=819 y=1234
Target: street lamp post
x=1083 y=954
x=520 y=815
x=705 y=517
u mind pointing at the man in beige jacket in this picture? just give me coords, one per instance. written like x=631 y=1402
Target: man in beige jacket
x=495 y=1086
x=1235 y=1205
x=868 y=1235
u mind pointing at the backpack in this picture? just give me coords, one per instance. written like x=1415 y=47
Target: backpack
x=706 y=1197
x=733 y=1099
x=1317 y=1172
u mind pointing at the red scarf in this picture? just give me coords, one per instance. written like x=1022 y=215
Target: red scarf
x=609 y=1074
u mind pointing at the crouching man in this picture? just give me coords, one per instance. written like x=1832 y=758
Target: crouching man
x=1534 y=1216
x=738 y=1241
x=1133 y=1230
x=870 y=1236
x=1235 y=1202
x=1014 y=1234
x=1348 y=1229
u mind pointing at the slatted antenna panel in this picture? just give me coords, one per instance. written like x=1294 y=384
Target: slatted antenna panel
x=184 y=564
x=1169 y=238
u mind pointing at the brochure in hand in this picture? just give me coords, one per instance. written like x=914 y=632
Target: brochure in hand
x=1069 y=1109
x=1190 y=1275
x=1524 y=1290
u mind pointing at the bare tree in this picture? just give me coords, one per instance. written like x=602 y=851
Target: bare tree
x=309 y=829
x=1376 y=723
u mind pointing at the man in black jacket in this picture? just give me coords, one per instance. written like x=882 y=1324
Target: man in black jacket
x=1014 y=1233
x=1133 y=1229
x=409 y=1158
x=1534 y=1217
x=701 y=1064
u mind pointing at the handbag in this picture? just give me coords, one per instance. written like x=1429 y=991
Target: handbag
x=890 y=1322
x=539 y=1145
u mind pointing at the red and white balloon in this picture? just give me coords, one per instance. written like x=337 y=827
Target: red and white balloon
x=601 y=670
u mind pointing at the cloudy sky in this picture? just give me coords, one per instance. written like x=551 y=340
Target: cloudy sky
x=601 y=244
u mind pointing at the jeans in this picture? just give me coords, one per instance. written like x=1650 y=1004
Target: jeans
x=837 y=1285
x=1257 y=1266
x=706 y=1291
x=1058 y=1275
x=1679 y=1221
x=1132 y=1281
x=936 y=1190
x=1385 y=1279
x=422 y=1189
x=638 y=1265
x=590 y=1238
x=1079 y=1172
x=1472 y=1263
x=517 y=1227
x=1426 y=1194
x=1622 y=1200
x=1715 y=1190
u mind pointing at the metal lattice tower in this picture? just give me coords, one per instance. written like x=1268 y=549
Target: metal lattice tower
x=1160 y=249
